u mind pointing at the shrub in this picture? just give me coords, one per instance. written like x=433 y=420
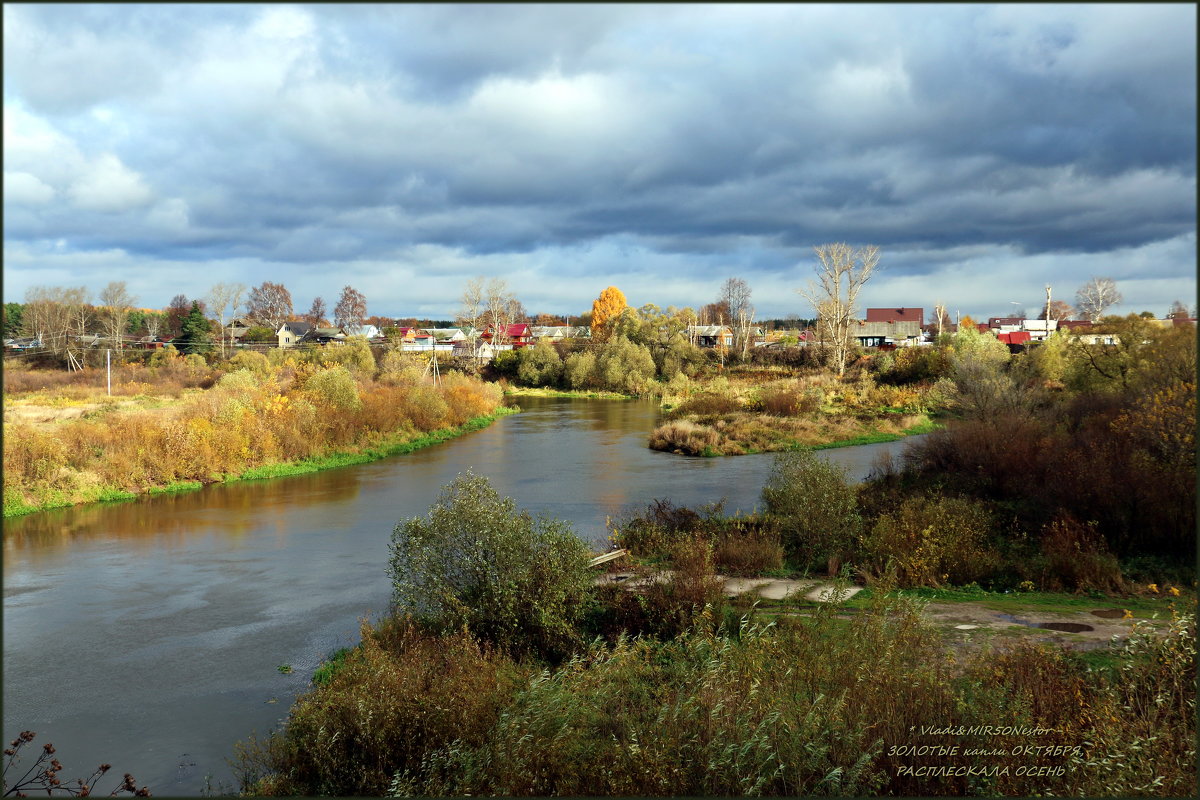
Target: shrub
x=915 y=365
x=540 y=365
x=335 y=388
x=1077 y=558
x=426 y=407
x=790 y=401
x=579 y=370
x=816 y=508
x=751 y=552
x=239 y=382
x=928 y=541
x=398 y=369
x=624 y=366
x=516 y=581
x=249 y=360
x=708 y=403
x=399 y=695
x=468 y=398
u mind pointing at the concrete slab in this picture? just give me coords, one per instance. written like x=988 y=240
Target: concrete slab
x=738 y=586
x=823 y=594
x=783 y=587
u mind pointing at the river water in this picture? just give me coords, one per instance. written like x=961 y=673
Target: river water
x=149 y=634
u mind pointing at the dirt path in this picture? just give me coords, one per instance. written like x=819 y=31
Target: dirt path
x=965 y=622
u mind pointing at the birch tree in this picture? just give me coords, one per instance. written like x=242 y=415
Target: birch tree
x=223 y=297
x=351 y=310
x=1095 y=297
x=502 y=308
x=117 y=301
x=270 y=304
x=842 y=271
x=735 y=295
x=472 y=307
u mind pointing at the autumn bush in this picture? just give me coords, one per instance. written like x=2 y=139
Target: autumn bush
x=932 y=541
x=476 y=563
x=1076 y=558
x=400 y=695
x=815 y=506
x=752 y=551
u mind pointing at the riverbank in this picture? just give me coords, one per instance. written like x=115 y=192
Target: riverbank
x=683 y=661
x=384 y=447
x=525 y=391
x=741 y=433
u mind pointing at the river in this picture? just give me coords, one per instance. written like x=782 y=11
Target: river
x=149 y=634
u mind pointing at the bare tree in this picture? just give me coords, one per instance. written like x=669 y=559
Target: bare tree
x=117 y=301
x=78 y=300
x=47 y=317
x=735 y=295
x=153 y=323
x=269 y=305
x=175 y=313
x=502 y=308
x=1058 y=310
x=1096 y=296
x=223 y=297
x=316 y=312
x=350 y=310
x=842 y=271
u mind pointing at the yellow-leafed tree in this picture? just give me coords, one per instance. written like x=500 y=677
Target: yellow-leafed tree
x=605 y=310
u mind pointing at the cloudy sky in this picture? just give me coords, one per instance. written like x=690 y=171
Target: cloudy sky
x=402 y=149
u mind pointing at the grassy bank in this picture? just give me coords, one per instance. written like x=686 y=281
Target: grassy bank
x=525 y=391
x=745 y=433
x=397 y=444
x=253 y=416
x=393 y=447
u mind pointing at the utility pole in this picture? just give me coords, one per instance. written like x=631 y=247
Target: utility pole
x=1047 y=311
x=108 y=367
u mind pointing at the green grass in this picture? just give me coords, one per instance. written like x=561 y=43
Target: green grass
x=175 y=488
x=385 y=450
x=927 y=426
x=527 y=391
x=331 y=666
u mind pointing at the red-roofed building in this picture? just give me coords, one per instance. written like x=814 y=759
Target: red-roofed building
x=1015 y=337
x=517 y=334
x=916 y=315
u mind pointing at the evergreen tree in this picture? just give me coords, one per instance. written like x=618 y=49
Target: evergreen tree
x=195 y=332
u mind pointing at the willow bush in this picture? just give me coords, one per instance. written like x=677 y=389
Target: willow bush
x=475 y=562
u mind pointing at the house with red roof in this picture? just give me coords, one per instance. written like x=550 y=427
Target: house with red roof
x=916 y=315
x=518 y=334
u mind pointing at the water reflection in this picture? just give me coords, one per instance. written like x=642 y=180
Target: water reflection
x=168 y=520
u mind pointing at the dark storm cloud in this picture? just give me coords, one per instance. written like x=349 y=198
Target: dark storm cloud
x=568 y=138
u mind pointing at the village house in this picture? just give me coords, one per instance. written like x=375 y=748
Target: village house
x=711 y=335
x=916 y=315
x=513 y=336
x=893 y=333
x=290 y=333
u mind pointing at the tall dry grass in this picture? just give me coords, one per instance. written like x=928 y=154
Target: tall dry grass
x=249 y=418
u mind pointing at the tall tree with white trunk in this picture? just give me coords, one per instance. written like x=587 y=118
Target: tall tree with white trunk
x=1097 y=296
x=842 y=271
